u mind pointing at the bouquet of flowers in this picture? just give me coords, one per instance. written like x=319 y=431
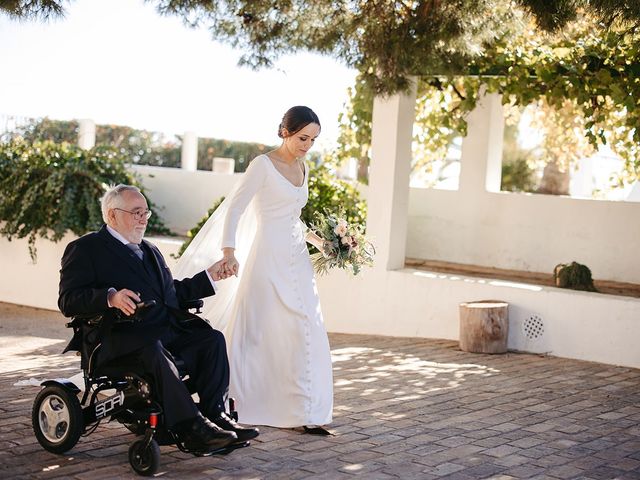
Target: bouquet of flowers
x=345 y=245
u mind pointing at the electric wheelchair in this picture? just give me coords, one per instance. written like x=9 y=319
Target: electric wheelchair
x=59 y=417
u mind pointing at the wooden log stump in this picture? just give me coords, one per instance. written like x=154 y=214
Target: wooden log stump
x=484 y=326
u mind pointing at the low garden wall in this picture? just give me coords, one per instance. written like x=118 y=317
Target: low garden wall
x=411 y=303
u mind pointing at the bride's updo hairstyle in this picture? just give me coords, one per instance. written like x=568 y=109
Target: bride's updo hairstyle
x=296 y=119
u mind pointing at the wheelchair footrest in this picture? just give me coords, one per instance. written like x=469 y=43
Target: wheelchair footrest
x=221 y=451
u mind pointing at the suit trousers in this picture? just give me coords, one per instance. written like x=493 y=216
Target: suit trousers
x=204 y=354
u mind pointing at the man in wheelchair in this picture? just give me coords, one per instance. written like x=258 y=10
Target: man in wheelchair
x=116 y=274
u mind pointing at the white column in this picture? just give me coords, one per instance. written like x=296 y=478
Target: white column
x=481 y=156
x=189 y=156
x=388 y=193
x=86 y=133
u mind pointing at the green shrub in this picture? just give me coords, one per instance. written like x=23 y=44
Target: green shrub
x=48 y=189
x=326 y=194
x=518 y=176
x=574 y=276
x=142 y=147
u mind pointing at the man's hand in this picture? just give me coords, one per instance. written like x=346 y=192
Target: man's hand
x=124 y=300
x=218 y=271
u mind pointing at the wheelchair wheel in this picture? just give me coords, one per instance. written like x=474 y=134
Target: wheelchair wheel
x=144 y=460
x=56 y=418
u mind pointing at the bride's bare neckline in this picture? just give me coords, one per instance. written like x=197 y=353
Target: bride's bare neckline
x=298 y=161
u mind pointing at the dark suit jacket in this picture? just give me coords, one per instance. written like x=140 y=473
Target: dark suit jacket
x=97 y=261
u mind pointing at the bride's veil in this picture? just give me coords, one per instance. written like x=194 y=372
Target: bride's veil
x=204 y=250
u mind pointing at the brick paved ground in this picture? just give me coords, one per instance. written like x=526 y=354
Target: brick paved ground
x=404 y=408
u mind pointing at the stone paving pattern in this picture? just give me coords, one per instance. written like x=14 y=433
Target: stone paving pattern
x=407 y=408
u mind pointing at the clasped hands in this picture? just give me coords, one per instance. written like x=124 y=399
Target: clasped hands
x=127 y=300
x=225 y=267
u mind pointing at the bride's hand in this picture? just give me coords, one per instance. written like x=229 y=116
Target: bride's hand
x=230 y=264
x=327 y=249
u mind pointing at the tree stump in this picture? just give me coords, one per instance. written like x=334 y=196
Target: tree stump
x=484 y=326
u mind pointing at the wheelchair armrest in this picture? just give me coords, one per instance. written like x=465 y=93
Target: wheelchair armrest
x=92 y=320
x=96 y=319
x=189 y=304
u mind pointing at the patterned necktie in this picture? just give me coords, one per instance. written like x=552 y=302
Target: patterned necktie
x=135 y=248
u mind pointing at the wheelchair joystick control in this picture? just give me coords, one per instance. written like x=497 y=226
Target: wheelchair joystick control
x=143 y=305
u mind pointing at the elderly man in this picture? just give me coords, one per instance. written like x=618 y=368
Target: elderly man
x=114 y=268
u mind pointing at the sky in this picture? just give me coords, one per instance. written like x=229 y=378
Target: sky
x=119 y=62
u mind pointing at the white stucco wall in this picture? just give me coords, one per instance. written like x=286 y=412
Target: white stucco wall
x=479 y=225
x=406 y=302
x=525 y=231
x=503 y=230
x=183 y=197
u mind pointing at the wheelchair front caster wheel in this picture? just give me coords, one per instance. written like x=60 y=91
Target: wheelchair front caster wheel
x=145 y=460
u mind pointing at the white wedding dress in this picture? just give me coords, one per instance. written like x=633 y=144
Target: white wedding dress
x=279 y=354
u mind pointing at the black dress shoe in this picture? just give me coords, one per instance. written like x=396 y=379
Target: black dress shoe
x=244 y=434
x=203 y=434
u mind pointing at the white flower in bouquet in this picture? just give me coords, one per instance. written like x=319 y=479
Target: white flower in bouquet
x=340 y=229
x=347 y=247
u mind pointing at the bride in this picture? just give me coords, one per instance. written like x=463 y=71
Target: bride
x=279 y=352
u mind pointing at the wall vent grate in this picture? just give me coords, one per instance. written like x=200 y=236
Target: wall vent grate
x=533 y=327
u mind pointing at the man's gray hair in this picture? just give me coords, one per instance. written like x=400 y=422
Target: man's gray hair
x=113 y=198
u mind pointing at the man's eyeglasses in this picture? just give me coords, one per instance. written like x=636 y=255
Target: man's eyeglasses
x=137 y=214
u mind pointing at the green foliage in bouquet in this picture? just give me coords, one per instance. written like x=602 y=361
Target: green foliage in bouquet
x=194 y=231
x=48 y=189
x=348 y=250
x=328 y=194
x=574 y=276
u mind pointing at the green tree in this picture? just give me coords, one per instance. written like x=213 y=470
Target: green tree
x=387 y=41
x=518 y=174
x=354 y=140
x=584 y=80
